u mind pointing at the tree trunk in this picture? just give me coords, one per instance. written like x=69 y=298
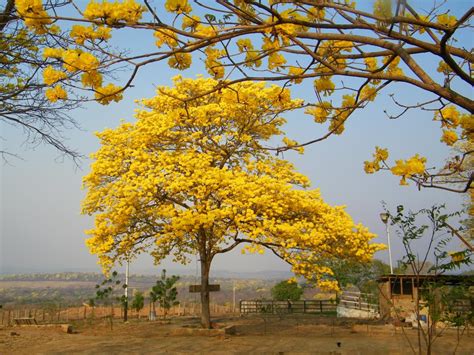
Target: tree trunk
x=205 y=309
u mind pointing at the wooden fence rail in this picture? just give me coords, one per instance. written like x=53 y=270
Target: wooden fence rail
x=276 y=307
x=358 y=300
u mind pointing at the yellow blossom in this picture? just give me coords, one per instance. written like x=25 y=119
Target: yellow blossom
x=91 y=79
x=127 y=11
x=51 y=75
x=205 y=31
x=447 y=20
x=393 y=67
x=178 y=6
x=105 y=95
x=33 y=14
x=52 y=53
x=407 y=168
x=449 y=137
x=165 y=36
x=180 y=61
x=190 y=22
x=296 y=71
x=56 y=93
x=324 y=85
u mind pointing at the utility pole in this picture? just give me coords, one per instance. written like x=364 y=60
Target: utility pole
x=233 y=299
x=385 y=217
x=125 y=302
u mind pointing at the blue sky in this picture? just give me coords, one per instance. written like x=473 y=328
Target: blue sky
x=42 y=229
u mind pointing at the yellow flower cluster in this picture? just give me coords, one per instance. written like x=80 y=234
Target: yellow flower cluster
x=316 y=13
x=190 y=177
x=105 y=95
x=82 y=33
x=213 y=65
x=52 y=76
x=296 y=71
x=380 y=156
x=324 y=85
x=290 y=143
x=52 y=53
x=371 y=63
x=320 y=112
x=368 y=93
x=341 y=114
x=75 y=60
x=34 y=15
x=205 y=31
x=178 y=6
x=407 y=168
x=451 y=119
x=91 y=79
x=128 y=11
x=444 y=68
x=393 y=67
x=180 y=61
x=447 y=20
x=190 y=22
x=56 y=93
x=165 y=36
x=276 y=60
x=449 y=137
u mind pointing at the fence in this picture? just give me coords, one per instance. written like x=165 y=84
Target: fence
x=58 y=314
x=359 y=301
x=277 y=307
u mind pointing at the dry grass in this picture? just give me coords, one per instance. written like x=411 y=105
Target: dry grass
x=317 y=335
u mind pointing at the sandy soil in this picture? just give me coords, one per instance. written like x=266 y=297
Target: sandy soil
x=315 y=335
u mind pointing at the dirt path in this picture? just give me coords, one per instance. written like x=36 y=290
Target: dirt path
x=253 y=336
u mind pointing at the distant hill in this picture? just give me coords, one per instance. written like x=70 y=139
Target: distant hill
x=95 y=276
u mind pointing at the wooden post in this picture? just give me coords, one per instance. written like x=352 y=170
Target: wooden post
x=321 y=306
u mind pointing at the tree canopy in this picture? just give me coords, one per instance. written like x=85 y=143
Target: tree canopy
x=368 y=47
x=191 y=177
x=287 y=291
x=25 y=99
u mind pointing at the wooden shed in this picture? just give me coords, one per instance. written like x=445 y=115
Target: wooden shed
x=399 y=292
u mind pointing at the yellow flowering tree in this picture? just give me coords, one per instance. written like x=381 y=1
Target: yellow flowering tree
x=191 y=176
x=371 y=45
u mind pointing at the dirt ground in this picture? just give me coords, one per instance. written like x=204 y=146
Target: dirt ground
x=298 y=335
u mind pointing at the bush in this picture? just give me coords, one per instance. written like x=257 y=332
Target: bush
x=286 y=290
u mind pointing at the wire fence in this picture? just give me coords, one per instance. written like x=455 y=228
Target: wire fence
x=58 y=314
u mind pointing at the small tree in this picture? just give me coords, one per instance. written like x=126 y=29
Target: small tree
x=165 y=292
x=287 y=291
x=138 y=302
x=361 y=275
x=107 y=292
x=434 y=295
